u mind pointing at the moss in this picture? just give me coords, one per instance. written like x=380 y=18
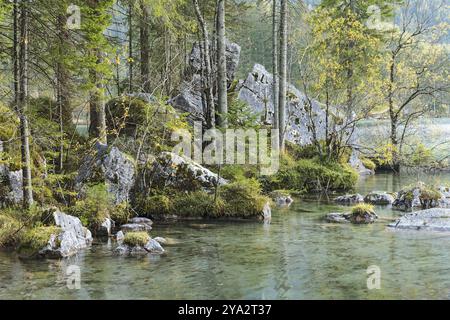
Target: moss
x=36 y=239
x=8 y=123
x=134 y=239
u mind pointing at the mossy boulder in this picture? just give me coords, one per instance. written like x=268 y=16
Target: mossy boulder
x=109 y=165
x=379 y=198
x=312 y=175
x=421 y=196
x=363 y=214
x=138 y=243
x=349 y=199
x=281 y=197
x=62 y=239
x=360 y=214
x=181 y=173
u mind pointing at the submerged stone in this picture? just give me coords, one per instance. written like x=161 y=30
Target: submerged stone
x=432 y=219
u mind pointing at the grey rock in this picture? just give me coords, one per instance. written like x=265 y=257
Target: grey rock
x=180 y=172
x=356 y=163
x=379 y=198
x=350 y=199
x=257 y=92
x=72 y=238
x=366 y=218
x=411 y=198
x=118 y=169
x=139 y=220
x=160 y=240
x=281 y=198
x=15 y=179
x=153 y=246
x=267 y=212
x=189 y=98
x=135 y=227
x=105 y=229
x=338 y=217
x=432 y=220
x=120 y=236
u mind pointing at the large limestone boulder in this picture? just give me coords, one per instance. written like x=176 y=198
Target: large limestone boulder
x=432 y=220
x=117 y=168
x=356 y=163
x=257 y=92
x=189 y=98
x=182 y=173
x=71 y=238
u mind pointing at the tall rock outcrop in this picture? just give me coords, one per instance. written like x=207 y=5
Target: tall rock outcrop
x=190 y=98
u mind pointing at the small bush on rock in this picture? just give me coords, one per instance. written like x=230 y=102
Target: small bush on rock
x=134 y=239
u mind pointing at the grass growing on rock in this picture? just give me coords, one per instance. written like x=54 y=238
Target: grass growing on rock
x=362 y=209
x=9 y=227
x=243 y=198
x=36 y=239
x=134 y=239
x=312 y=175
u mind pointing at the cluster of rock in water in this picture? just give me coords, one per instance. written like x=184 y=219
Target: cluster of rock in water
x=432 y=207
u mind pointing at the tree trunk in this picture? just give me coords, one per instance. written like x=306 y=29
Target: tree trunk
x=283 y=72
x=145 y=47
x=222 y=65
x=130 y=47
x=15 y=56
x=393 y=117
x=276 y=90
x=210 y=108
x=23 y=106
x=97 y=127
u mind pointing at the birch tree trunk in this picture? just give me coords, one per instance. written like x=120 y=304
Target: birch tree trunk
x=276 y=90
x=145 y=47
x=221 y=65
x=283 y=72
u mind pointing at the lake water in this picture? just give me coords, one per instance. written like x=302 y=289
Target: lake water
x=297 y=256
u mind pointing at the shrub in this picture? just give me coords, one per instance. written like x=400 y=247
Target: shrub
x=142 y=125
x=95 y=208
x=36 y=239
x=197 y=204
x=134 y=239
x=311 y=175
x=154 y=205
x=8 y=228
x=243 y=198
x=120 y=213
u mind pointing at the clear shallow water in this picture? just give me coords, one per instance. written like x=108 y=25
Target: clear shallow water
x=297 y=256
